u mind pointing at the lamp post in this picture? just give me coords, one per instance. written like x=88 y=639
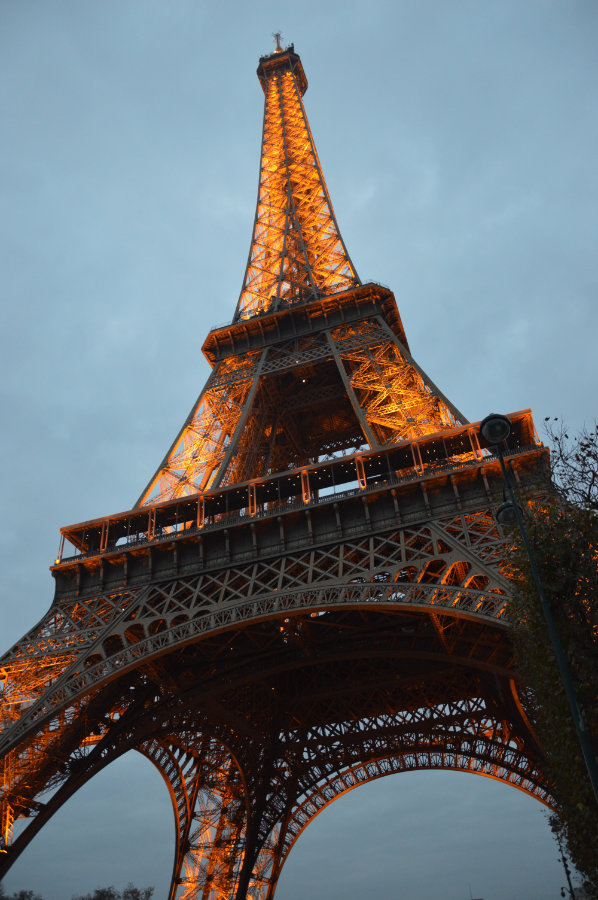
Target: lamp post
x=565 y=867
x=495 y=429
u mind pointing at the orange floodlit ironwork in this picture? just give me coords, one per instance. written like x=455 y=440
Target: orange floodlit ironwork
x=297 y=257
x=311 y=592
x=297 y=252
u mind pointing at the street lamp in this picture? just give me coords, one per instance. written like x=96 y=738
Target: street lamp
x=495 y=429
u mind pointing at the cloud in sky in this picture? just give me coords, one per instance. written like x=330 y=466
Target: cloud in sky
x=458 y=141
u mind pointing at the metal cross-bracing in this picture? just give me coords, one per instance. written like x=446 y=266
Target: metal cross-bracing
x=207 y=793
x=311 y=592
x=199 y=449
x=297 y=253
x=120 y=601
x=280 y=602
x=495 y=754
x=250 y=726
x=296 y=700
x=292 y=401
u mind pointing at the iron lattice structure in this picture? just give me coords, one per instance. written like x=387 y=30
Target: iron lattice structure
x=312 y=590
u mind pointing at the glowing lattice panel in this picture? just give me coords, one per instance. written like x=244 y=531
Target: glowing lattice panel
x=297 y=252
x=398 y=402
x=200 y=447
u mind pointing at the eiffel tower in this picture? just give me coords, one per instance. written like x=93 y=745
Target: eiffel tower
x=310 y=593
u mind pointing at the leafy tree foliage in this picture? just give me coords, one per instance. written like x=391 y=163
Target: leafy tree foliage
x=563 y=530
x=19 y=895
x=108 y=893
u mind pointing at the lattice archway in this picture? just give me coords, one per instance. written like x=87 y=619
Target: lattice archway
x=283 y=837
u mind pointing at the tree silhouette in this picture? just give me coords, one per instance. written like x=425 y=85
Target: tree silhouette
x=101 y=893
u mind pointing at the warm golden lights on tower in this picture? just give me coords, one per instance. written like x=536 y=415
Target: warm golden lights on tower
x=311 y=591
x=297 y=259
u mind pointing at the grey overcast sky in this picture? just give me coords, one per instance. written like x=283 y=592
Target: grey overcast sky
x=459 y=143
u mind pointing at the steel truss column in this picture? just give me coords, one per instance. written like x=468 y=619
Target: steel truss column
x=267 y=868
x=431 y=385
x=251 y=882
x=210 y=809
x=198 y=450
x=219 y=853
x=399 y=401
x=233 y=446
x=295 y=260
x=357 y=407
x=70 y=755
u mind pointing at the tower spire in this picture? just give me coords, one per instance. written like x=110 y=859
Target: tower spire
x=297 y=253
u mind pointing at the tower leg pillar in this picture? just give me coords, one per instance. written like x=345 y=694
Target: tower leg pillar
x=208 y=798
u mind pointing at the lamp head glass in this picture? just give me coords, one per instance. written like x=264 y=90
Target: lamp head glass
x=506 y=513
x=495 y=428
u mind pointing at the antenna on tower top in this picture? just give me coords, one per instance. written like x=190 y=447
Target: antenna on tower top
x=277 y=37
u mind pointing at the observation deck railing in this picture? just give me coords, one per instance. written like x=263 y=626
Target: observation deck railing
x=328 y=481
